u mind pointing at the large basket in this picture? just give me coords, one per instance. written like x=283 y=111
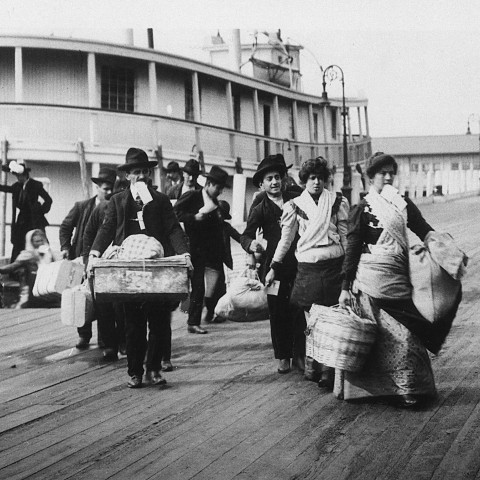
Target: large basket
x=339 y=338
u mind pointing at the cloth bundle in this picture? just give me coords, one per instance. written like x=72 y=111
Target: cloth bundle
x=138 y=247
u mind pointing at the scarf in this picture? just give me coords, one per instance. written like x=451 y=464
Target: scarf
x=319 y=215
x=383 y=273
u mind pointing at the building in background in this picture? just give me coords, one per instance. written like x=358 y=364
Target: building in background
x=69 y=107
x=434 y=166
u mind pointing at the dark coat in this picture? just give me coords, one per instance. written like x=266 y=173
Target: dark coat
x=175 y=191
x=266 y=215
x=229 y=232
x=206 y=237
x=76 y=219
x=159 y=218
x=93 y=225
x=31 y=213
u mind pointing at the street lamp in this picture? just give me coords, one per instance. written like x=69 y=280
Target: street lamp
x=332 y=72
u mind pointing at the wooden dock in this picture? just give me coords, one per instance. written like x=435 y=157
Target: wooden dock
x=225 y=412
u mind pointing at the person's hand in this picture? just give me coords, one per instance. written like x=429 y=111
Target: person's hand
x=65 y=254
x=189 y=262
x=345 y=299
x=256 y=247
x=270 y=277
x=92 y=260
x=199 y=216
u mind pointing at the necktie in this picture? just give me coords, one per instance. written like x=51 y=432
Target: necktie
x=139 y=202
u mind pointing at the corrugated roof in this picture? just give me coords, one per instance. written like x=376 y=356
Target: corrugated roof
x=434 y=144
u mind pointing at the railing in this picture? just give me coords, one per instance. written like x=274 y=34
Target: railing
x=48 y=124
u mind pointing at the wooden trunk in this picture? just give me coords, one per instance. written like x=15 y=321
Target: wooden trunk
x=164 y=279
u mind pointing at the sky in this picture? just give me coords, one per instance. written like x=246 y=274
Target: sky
x=417 y=62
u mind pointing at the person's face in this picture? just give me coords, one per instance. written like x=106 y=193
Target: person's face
x=21 y=177
x=173 y=177
x=189 y=179
x=383 y=177
x=37 y=240
x=213 y=189
x=315 y=184
x=272 y=183
x=136 y=175
x=104 y=190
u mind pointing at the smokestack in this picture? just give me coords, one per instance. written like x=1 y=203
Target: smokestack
x=129 y=36
x=150 y=37
x=235 y=50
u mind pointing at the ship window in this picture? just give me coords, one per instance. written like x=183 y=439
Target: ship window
x=237 y=125
x=315 y=127
x=454 y=166
x=292 y=123
x=334 y=123
x=189 y=100
x=118 y=89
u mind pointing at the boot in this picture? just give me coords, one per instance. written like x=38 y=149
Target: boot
x=210 y=304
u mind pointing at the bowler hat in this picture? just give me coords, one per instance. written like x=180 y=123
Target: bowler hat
x=218 y=175
x=105 y=175
x=269 y=164
x=15 y=167
x=136 y=157
x=192 y=167
x=377 y=161
x=172 y=167
x=225 y=209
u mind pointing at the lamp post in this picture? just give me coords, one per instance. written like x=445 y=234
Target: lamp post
x=331 y=72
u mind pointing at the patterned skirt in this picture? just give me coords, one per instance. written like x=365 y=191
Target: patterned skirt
x=398 y=364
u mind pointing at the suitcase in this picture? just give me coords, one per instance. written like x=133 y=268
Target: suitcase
x=53 y=278
x=163 y=279
x=77 y=306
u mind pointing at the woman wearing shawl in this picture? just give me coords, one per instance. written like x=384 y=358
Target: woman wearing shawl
x=37 y=252
x=376 y=269
x=320 y=219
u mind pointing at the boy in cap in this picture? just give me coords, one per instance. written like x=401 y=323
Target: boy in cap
x=190 y=172
x=266 y=215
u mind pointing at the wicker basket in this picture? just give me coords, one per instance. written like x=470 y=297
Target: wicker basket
x=339 y=338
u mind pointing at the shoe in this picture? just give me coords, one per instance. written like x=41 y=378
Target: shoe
x=284 y=365
x=208 y=317
x=155 y=378
x=196 y=329
x=83 y=343
x=135 y=382
x=167 y=366
x=110 y=355
x=406 y=401
x=218 y=319
x=122 y=349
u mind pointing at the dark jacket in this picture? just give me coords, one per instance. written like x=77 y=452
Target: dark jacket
x=93 y=225
x=266 y=215
x=159 y=218
x=31 y=212
x=229 y=232
x=76 y=219
x=206 y=236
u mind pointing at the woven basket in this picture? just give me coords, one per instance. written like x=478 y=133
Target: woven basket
x=339 y=338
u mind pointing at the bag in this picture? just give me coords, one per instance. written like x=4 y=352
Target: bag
x=138 y=247
x=435 y=273
x=225 y=309
x=338 y=337
x=248 y=293
x=77 y=306
x=53 y=278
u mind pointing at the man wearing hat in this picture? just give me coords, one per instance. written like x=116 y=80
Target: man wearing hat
x=266 y=215
x=190 y=171
x=199 y=211
x=25 y=197
x=76 y=220
x=142 y=209
x=173 y=174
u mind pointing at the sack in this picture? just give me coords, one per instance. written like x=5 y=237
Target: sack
x=435 y=289
x=225 y=309
x=53 y=278
x=138 y=247
x=77 y=306
x=338 y=337
x=248 y=293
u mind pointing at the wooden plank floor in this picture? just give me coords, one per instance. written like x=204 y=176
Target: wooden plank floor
x=225 y=412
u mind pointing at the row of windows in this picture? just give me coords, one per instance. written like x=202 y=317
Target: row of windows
x=118 y=93
x=453 y=166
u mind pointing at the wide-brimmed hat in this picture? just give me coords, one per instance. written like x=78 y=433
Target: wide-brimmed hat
x=136 y=157
x=377 y=161
x=192 y=167
x=225 y=209
x=218 y=175
x=105 y=175
x=15 y=167
x=269 y=164
x=172 y=167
